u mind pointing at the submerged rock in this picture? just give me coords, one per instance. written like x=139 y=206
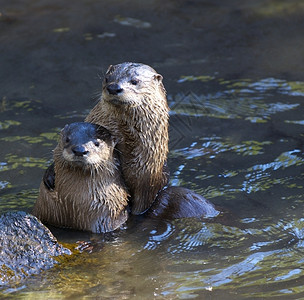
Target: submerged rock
x=26 y=247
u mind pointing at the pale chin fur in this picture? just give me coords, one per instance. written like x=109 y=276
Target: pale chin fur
x=119 y=100
x=85 y=161
x=67 y=155
x=70 y=157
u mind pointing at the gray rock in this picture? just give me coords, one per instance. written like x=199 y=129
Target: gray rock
x=26 y=247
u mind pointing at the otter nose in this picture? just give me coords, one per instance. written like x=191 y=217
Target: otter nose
x=114 y=89
x=79 y=151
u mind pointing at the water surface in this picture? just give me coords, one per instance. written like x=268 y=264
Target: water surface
x=235 y=83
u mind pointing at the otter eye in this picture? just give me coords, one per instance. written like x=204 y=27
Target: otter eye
x=96 y=143
x=67 y=139
x=134 y=81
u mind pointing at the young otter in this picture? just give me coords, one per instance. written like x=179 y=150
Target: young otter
x=133 y=107
x=87 y=192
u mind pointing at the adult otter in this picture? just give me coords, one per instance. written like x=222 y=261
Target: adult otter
x=87 y=192
x=133 y=107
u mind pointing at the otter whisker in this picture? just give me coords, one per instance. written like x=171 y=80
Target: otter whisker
x=97 y=94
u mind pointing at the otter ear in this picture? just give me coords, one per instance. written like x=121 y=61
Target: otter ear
x=110 y=69
x=65 y=128
x=104 y=134
x=158 y=77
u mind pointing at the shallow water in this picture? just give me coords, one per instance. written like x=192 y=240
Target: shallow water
x=235 y=83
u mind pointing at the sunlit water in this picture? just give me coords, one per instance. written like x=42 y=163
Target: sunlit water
x=236 y=137
x=241 y=147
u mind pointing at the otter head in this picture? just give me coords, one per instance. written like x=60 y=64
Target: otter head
x=85 y=145
x=126 y=83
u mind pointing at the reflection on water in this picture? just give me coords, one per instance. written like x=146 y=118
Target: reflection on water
x=244 y=99
x=244 y=153
x=188 y=259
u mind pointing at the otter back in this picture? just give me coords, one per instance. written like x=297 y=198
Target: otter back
x=177 y=202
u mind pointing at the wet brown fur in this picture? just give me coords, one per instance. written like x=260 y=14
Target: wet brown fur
x=138 y=117
x=88 y=195
x=178 y=202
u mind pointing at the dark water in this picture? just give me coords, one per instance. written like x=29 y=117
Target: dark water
x=234 y=75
